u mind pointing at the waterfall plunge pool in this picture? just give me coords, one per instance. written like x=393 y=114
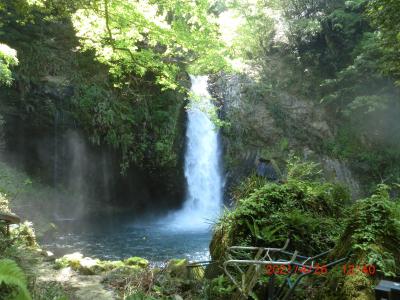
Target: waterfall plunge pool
x=116 y=237
x=182 y=234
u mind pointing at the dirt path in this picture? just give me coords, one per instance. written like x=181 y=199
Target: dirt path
x=78 y=287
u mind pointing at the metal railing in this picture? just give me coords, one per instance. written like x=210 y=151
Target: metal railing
x=246 y=279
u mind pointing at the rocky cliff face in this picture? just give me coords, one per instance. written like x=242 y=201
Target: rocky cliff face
x=64 y=124
x=43 y=137
x=272 y=127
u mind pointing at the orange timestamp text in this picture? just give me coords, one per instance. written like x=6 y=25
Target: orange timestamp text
x=347 y=269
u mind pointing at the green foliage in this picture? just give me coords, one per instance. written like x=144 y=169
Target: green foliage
x=247 y=186
x=144 y=128
x=140 y=296
x=148 y=37
x=377 y=156
x=302 y=170
x=154 y=283
x=254 y=36
x=359 y=89
x=8 y=58
x=219 y=288
x=373 y=232
x=371 y=236
x=4 y=208
x=331 y=53
x=385 y=16
x=303 y=209
x=137 y=261
x=131 y=112
x=11 y=275
x=267 y=233
x=25 y=235
x=317 y=216
x=49 y=290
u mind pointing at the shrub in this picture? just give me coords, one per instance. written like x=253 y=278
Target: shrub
x=25 y=234
x=372 y=232
x=371 y=237
x=304 y=209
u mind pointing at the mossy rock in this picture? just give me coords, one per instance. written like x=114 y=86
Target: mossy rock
x=338 y=286
x=107 y=265
x=69 y=260
x=137 y=261
x=87 y=265
x=178 y=268
x=90 y=266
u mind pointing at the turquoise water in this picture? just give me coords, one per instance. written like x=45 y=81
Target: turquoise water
x=184 y=233
x=112 y=238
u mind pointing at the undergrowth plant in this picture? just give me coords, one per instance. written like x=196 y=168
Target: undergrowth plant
x=372 y=233
x=371 y=237
x=13 y=284
x=305 y=209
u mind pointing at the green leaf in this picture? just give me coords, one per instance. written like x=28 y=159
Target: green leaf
x=12 y=275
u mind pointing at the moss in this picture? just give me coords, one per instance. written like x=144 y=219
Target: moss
x=178 y=268
x=90 y=266
x=357 y=287
x=69 y=260
x=372 y=233
x=371 y=237
x=136 y=261
x=107 y=265
x=219 y=242
x=339 y=286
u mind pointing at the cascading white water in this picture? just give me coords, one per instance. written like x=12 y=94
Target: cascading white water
x=202 y=163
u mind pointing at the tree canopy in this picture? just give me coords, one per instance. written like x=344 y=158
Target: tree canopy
x=385 y=16
x=140 y=37
x=142 y=52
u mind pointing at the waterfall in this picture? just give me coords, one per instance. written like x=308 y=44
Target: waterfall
x=202 y=163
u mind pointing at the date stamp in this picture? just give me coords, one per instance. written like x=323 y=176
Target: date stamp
x=347 y=269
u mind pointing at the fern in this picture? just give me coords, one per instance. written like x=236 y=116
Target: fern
x=267 y=233
x=12 y=275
